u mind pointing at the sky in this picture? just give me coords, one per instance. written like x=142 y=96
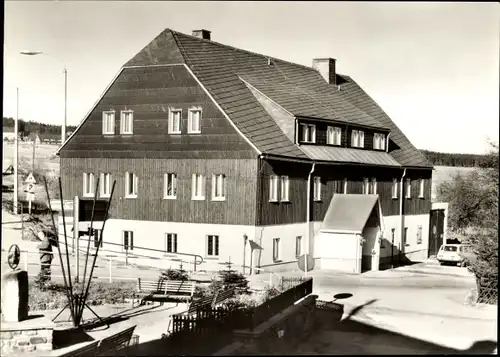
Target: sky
x=433 y=67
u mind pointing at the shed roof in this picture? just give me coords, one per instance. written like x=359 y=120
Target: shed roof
x=348 y=212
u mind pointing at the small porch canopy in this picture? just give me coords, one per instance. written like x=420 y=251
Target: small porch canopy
x=349 y=213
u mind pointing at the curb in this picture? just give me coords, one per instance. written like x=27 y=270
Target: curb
x=435 y=273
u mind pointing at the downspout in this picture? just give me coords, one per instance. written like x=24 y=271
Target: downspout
x=308 y=214
x=401 y=216
x=245 y=239
x=297 y=131
x=387 y=143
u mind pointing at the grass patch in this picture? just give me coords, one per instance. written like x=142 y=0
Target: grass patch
x=54 y=296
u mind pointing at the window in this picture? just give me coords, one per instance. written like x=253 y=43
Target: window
x=126 y=122
x=419 y=235
x=128 y=240
x=194 y=121
x=108 y=122
x=373 y=186
x=379 y=141
x=198 y=187
x=174 y=121
x=218 y=187
x=408 y=188
x=298 y=246
x=213 y=246
x=317 y=188
x=170 y=189
x=276 y=249
x=394 y=188
x=284 y=188
x=96 y=235
x=358 y=139
x=366 y=186
x=130 y=185
x=333 y=135
x=345 y=186
x=308 y=133
x=171 y=242
x=273 y=188
x=105 y=183
x=405 y=236
x=421 y=188
x=88 y=184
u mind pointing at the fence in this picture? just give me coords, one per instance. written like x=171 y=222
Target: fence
x=220 y=321
x=487 y=291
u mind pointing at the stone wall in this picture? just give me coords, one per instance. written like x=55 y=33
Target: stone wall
x=26 y=340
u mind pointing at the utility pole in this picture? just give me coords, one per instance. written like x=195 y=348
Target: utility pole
x=63 y=129
x=16 y=151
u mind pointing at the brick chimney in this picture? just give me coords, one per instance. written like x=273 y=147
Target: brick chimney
x=326 y=67
x=203 y=34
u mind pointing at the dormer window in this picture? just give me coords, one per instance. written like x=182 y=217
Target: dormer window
x=308 y=133
x=333 y=135
x=357 y=139
x=379 y=141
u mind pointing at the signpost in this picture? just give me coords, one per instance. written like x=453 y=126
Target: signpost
x=30 y=187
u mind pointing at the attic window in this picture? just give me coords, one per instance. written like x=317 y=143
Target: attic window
x=270 y=62
x=126 y=122
x=357 y=139
x=379 y=141
x=108 y=122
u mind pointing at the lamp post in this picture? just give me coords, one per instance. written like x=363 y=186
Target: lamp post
x=65 y=71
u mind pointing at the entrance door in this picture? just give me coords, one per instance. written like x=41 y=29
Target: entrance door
x=436 y=229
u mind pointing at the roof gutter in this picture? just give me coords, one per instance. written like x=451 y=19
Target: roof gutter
x=401 y=216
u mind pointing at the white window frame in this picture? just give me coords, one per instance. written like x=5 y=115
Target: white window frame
x=308 y=133
x=344 y=183
x=190 y=120
x=171 y=128
x=379 y=141
x=298 y=246
x=135 y=181
x=408 y=188
x=215 y=247
x=421 y=188
x=284 y=189
x=405 y=236
x=173 y=243
x=198 y=187
x=123 y=122
x=419 y=235
x=395 y=188
x=95 y=237
x=273 y=188
x=357 y=138
x=317 y=188
x=218 y=187
x=170 y=178
x=88 y=176
x=105 y=184
x=373 y=186
x=108 y=122
x=333 y=135
x=366 y=186
x=130 y=242
x=276 y=249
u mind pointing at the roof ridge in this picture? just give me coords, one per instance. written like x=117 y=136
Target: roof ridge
x=240 y=49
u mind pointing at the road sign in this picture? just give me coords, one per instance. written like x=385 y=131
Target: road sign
x=30 y=187
x=30 y=178
x=302 y=262
x=30 y=196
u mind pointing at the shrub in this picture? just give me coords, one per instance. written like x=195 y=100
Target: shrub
x=174 y=274
x=241 y=302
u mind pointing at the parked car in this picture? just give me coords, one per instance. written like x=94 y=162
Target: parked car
x=454 y=254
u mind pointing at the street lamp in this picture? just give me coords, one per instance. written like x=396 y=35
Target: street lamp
x=63 y=128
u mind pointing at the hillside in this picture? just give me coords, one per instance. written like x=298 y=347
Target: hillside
x=454 y=160
x=31 y=127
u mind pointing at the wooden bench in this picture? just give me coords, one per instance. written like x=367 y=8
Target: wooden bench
x=111 y=346
x=89 y=349
x=163 y=289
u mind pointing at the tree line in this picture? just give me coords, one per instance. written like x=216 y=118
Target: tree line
x=28 y=127
x=450 y=159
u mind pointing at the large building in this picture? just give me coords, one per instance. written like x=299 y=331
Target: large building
x=229 y=154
